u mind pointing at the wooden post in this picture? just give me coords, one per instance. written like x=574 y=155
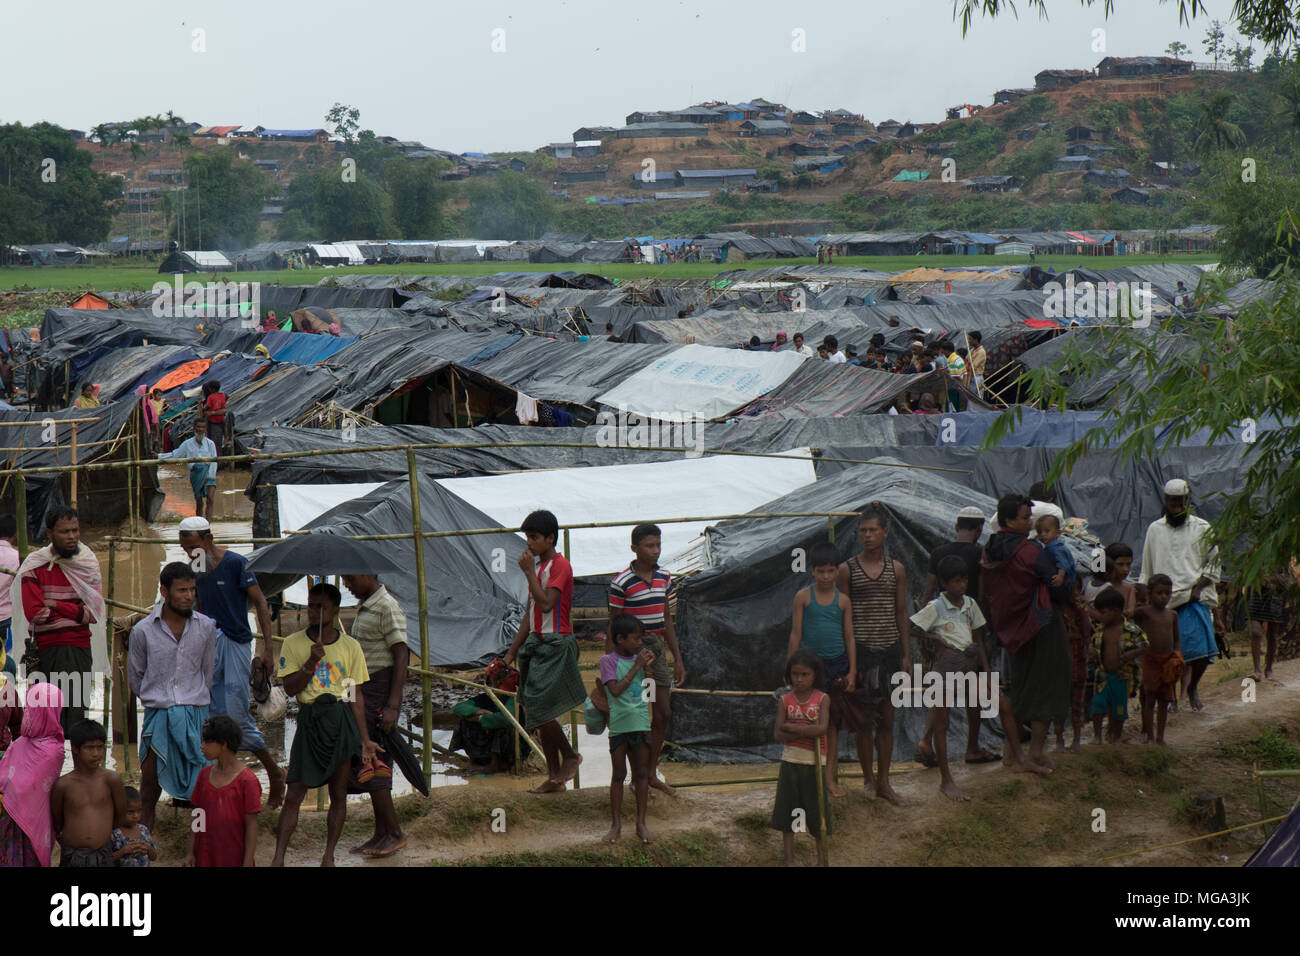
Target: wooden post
x=110 y=634
x=417 y=528
x=20 y=512
x=830 y=529
x=74 y=464
x=573 y=737
x=821 y=800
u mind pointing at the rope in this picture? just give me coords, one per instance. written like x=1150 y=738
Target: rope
x=1165 y=846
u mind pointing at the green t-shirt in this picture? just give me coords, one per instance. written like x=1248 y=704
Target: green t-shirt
x=628 y=712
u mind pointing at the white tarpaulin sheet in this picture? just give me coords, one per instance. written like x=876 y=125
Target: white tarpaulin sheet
x=299 y=505
x=703 y=487
x=701 y=380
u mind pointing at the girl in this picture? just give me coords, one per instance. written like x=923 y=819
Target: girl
x=133 y=844
x=28 y=771
x=230 y=798
x=801 y=718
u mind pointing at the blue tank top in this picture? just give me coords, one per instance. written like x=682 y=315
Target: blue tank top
x=823 y=627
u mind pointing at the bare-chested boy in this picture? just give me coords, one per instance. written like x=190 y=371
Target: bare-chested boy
x=88 y=801
x=1162 y=664
x=1117 y=645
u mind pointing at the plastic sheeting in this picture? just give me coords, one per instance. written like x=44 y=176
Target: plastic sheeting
x=819 y=389
x=1100 y=388
x=703 y=381
x=300 y=505
x=302 y=348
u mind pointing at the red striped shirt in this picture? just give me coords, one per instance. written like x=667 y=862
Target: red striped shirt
x=646 y=600
x=67 y=624
x=556 y=573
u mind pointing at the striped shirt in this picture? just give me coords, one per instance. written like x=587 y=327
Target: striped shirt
x=67 y=624
x=875 y=605
x=556 y=573
x=380 y=625
x=647 y=601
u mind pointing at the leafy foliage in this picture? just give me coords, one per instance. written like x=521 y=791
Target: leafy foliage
x=223 y=202
x=76 y=206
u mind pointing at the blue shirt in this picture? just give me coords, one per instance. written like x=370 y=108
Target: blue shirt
x=223 y=596
x=189 y=448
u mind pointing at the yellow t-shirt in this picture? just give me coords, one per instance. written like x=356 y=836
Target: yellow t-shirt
x=343 y=666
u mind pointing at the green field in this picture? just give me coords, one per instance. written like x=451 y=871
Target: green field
x=122 y=278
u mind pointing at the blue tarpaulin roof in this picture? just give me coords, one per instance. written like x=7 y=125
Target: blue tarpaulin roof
x=303 y=348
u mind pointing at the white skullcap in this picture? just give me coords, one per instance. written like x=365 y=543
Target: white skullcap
x=1177 y=488
x=195 y=524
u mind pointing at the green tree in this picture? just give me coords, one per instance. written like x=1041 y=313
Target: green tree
x=1241 y=56
x=1178 y=50
x=1215 y=44
x=507 y=206
x=48 y=190
x=1250 y=213
x=1288 y=91
x=223 y=201
x=1216 y=132
x=344 y=121
x=418 y=196
x=338 y=209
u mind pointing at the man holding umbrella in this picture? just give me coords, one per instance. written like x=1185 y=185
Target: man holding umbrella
x=380 y=629
x=225 y=589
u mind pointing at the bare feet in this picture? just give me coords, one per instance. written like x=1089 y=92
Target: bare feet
x=367 y=846
x=614 y=833
x=657 y=784
x=275 y=778
x=548 y=786
x=950 y=791
x=1269 y=673
x=1043 y=761
x=327 y=861
x=1076 y=747
x=834 y=789
x=1256 y=676
x=277 y=861
x=388 y=844
x=886 y=792
x=569 y=770
x=643 y=833
x=1145 y=738
x=1029 y=766
x=1194 y=699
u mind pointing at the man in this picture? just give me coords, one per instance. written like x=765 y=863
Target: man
x=799 y=347
x=171 y=655
x=1042 y=501
x=9 y=562
x=380 y=629
x=322 y=666
x=1015 y=578
x=833 y=353
x=978 y=361
x=965 y=545
x=225 y=589
x=1178 y=545
x=877 y=588
x=203 y=475
x=57 y=595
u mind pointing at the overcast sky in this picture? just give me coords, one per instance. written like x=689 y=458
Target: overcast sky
x=427 y=69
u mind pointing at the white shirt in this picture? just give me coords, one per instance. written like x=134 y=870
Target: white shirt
x=1181 y=553
x=839 y=358
x=953 y=625
x=806 y=350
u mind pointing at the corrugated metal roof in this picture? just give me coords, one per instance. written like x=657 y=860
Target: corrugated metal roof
x=703 y=173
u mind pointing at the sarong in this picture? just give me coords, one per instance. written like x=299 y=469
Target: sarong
x=16 y=847
x=230 y=690
x=1196 y=632
x=326 y=737
x=174 y=735
x=1160 y=674
x=550 y=684
x=85 y=857
x=796 y=789
x=1040 y=675
x=199 y=480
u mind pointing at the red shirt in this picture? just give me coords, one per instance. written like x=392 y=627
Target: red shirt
x=67 y=624
x=807 y=713
x=215 y=407
x=555 y=573
x=221 y=841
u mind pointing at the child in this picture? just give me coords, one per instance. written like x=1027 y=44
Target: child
x=88 y=801
x=1048 y=530
x=132 y=842
x=550 y=684
x=1162 y=664
x=955 y=622
x=1117 y=644
x=28 y=770
x=229 y=797
x=822 y=622
x=978 y=360
x=1119 y=562
x=801 y=718
x=629 y=720
x=1078 y=628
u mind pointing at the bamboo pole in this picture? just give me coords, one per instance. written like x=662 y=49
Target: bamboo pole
x=20 y=512
x=573 y=736
x=73 y=476
x=519 y=728
x=821 y=801
x=110 y=633
x=426 y=688
x=1208 y=836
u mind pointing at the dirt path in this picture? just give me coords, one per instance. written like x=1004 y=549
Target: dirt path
x=1145 y=792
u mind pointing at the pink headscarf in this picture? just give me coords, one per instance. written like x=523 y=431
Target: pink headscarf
x=150 y=413
x=31 y=765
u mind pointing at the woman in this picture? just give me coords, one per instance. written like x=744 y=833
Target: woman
x=28 y=771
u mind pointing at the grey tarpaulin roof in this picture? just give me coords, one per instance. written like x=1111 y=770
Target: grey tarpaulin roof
x=1098 y=389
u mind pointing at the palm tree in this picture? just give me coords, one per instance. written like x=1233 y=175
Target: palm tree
x=1215 y=130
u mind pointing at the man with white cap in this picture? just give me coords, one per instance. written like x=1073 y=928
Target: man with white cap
x=965 y=545
x=225 y=587
x=1177 y=545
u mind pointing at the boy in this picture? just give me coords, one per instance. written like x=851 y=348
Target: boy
x=1117 y=644
x=642 y=591
x=321 y=665
x=132 y=842
x=1162 y=664
x=629 y=720
x=822 y=622
x=978 y=359
x=956 y=371
x=955 y=622
x=1048 y=530
x=1119 y=562
x=203 y=475
x=88 y=801
x=550 y=684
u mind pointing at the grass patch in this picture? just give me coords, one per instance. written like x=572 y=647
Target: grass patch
x=1271 y=749
x=755 y=822
x=692 y=848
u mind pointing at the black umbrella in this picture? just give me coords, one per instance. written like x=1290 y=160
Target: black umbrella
x=398 y=753
x=323 y=554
